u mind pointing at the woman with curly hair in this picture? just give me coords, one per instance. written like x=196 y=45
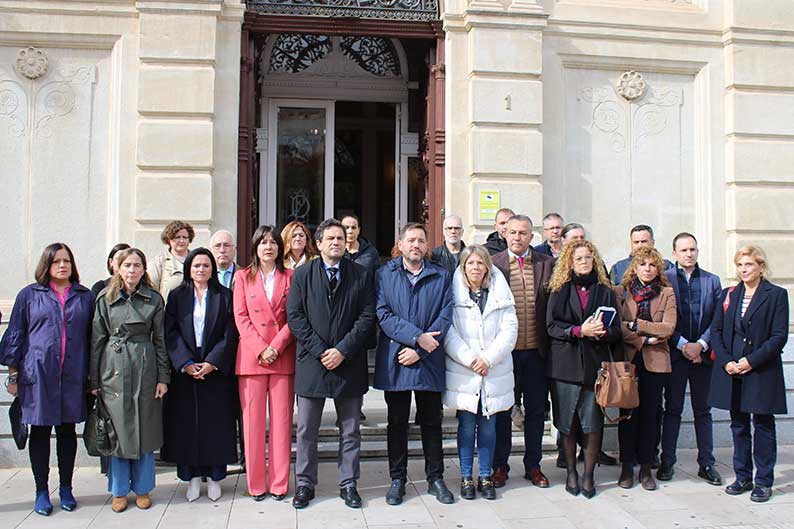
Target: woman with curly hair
x=648 y=315
x=581 y=333
x=299 y=245
x=166 y=270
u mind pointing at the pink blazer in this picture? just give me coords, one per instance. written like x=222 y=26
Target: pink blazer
x=261 y=324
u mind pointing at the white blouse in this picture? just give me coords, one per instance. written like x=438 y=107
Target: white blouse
x=269 y=281
x=199 y=315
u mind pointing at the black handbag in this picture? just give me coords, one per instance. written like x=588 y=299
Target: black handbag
x=99 y=435
x=19 y=430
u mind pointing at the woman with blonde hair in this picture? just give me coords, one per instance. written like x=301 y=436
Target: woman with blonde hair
x=583 y=324
x=299 y=247
x=649 y=313
x=479 y=364
x=129 y=370
x=167 y=268
x=748 y=334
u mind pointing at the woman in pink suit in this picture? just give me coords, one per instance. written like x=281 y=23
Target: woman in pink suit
x=265 y=363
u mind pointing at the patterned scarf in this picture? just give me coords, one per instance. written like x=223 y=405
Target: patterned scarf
x=643 y=294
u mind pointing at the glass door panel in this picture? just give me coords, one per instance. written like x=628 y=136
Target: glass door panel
x=300 y=191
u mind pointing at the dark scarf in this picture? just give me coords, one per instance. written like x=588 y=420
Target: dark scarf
x=586 y=280
x=643 y=294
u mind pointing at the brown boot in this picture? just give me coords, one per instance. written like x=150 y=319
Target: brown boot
x=119 y=503
x=646 y=478
x=626 y=479
x=143 y=501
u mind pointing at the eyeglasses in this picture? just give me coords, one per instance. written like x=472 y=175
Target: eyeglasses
x=454 y=228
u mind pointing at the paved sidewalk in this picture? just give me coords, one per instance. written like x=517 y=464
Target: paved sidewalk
x=686 y=502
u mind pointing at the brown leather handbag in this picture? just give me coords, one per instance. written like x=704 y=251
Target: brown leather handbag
x=616 y=387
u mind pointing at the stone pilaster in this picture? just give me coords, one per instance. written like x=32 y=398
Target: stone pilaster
x=494 y=108
x=180 y=47
x=759 y=104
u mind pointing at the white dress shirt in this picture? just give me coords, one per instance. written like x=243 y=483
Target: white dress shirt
x=269 y=281
x=199 y=315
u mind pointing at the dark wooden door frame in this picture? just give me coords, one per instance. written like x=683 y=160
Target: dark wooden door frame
x=255 y=26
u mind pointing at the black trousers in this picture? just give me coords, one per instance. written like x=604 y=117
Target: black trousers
x=638 y=436
x=39 y=449
x=699 y=378
x=429 y=414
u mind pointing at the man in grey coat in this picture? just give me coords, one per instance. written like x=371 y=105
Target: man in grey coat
x=331 y=313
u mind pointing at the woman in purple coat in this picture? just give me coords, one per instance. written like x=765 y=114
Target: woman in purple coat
x=46 y=350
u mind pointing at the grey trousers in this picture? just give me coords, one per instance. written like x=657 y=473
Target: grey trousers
x=310 y=413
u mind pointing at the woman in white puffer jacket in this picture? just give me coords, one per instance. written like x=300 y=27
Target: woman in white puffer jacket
x=479 y=365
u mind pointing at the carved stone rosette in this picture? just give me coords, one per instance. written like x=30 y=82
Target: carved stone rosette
x=631 y=85
x=32 y=62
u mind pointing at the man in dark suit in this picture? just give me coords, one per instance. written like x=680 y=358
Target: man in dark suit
x=224 y=250
x=528 y=274
x=331 y=313
x=697 y=293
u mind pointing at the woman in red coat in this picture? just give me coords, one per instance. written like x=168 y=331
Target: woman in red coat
x=265 y=364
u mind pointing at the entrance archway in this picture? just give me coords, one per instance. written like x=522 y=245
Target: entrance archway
x=360 y=73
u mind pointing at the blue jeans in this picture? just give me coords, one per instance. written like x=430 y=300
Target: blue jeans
x=485 y=428
x=131 y=474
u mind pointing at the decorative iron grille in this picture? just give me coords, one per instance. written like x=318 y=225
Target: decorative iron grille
x=379 y=9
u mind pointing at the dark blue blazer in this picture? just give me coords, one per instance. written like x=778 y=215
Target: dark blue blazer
x=404 y=312
x=710 y=288
x=765 y=334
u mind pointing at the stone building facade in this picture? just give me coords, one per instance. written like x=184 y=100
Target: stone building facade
x=117 y=116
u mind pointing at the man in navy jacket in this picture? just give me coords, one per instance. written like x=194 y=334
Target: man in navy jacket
x=697 y=294
x=414 y=309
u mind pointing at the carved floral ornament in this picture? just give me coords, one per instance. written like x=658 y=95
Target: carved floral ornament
x=32 y=62
x=631 y=85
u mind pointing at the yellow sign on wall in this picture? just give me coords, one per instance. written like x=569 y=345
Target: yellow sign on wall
x=489 y=205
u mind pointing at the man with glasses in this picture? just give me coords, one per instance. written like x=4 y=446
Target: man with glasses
x=448 y=253
x=224 y=250
x=552 y=235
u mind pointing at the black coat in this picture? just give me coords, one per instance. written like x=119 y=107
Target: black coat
x=574 y=359
x=442 y=256
x=199 y=416
x=765 y=325
x=495 y=244
x=320 y=321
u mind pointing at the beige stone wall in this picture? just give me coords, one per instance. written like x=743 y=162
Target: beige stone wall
x=133 y=123
x=533 y=111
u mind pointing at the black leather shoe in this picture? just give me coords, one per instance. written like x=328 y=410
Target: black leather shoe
x=665 y=472
x=486 y=488
x=738 y=487
x=351 y=497
x=710 y=474
x=467 y=491
x=761 y=493
x=259 y=497
x=589 y=493
x=439 y=489
x=302 y=497
x=606 y=459
x=561 y=463
x=279 y=497
x=396 y=492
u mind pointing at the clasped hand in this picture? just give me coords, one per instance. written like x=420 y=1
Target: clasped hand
x=427 y=341
x=738 y=368
x=331 y=358
x=593 y=328
x=268 y=356
x=199 y=370
x=480 y=367
x=692 y=352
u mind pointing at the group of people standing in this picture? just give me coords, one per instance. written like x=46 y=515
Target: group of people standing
x=183 y=351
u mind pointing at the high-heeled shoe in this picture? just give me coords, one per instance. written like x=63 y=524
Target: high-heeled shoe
x=589 y=493
x=573 y=490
